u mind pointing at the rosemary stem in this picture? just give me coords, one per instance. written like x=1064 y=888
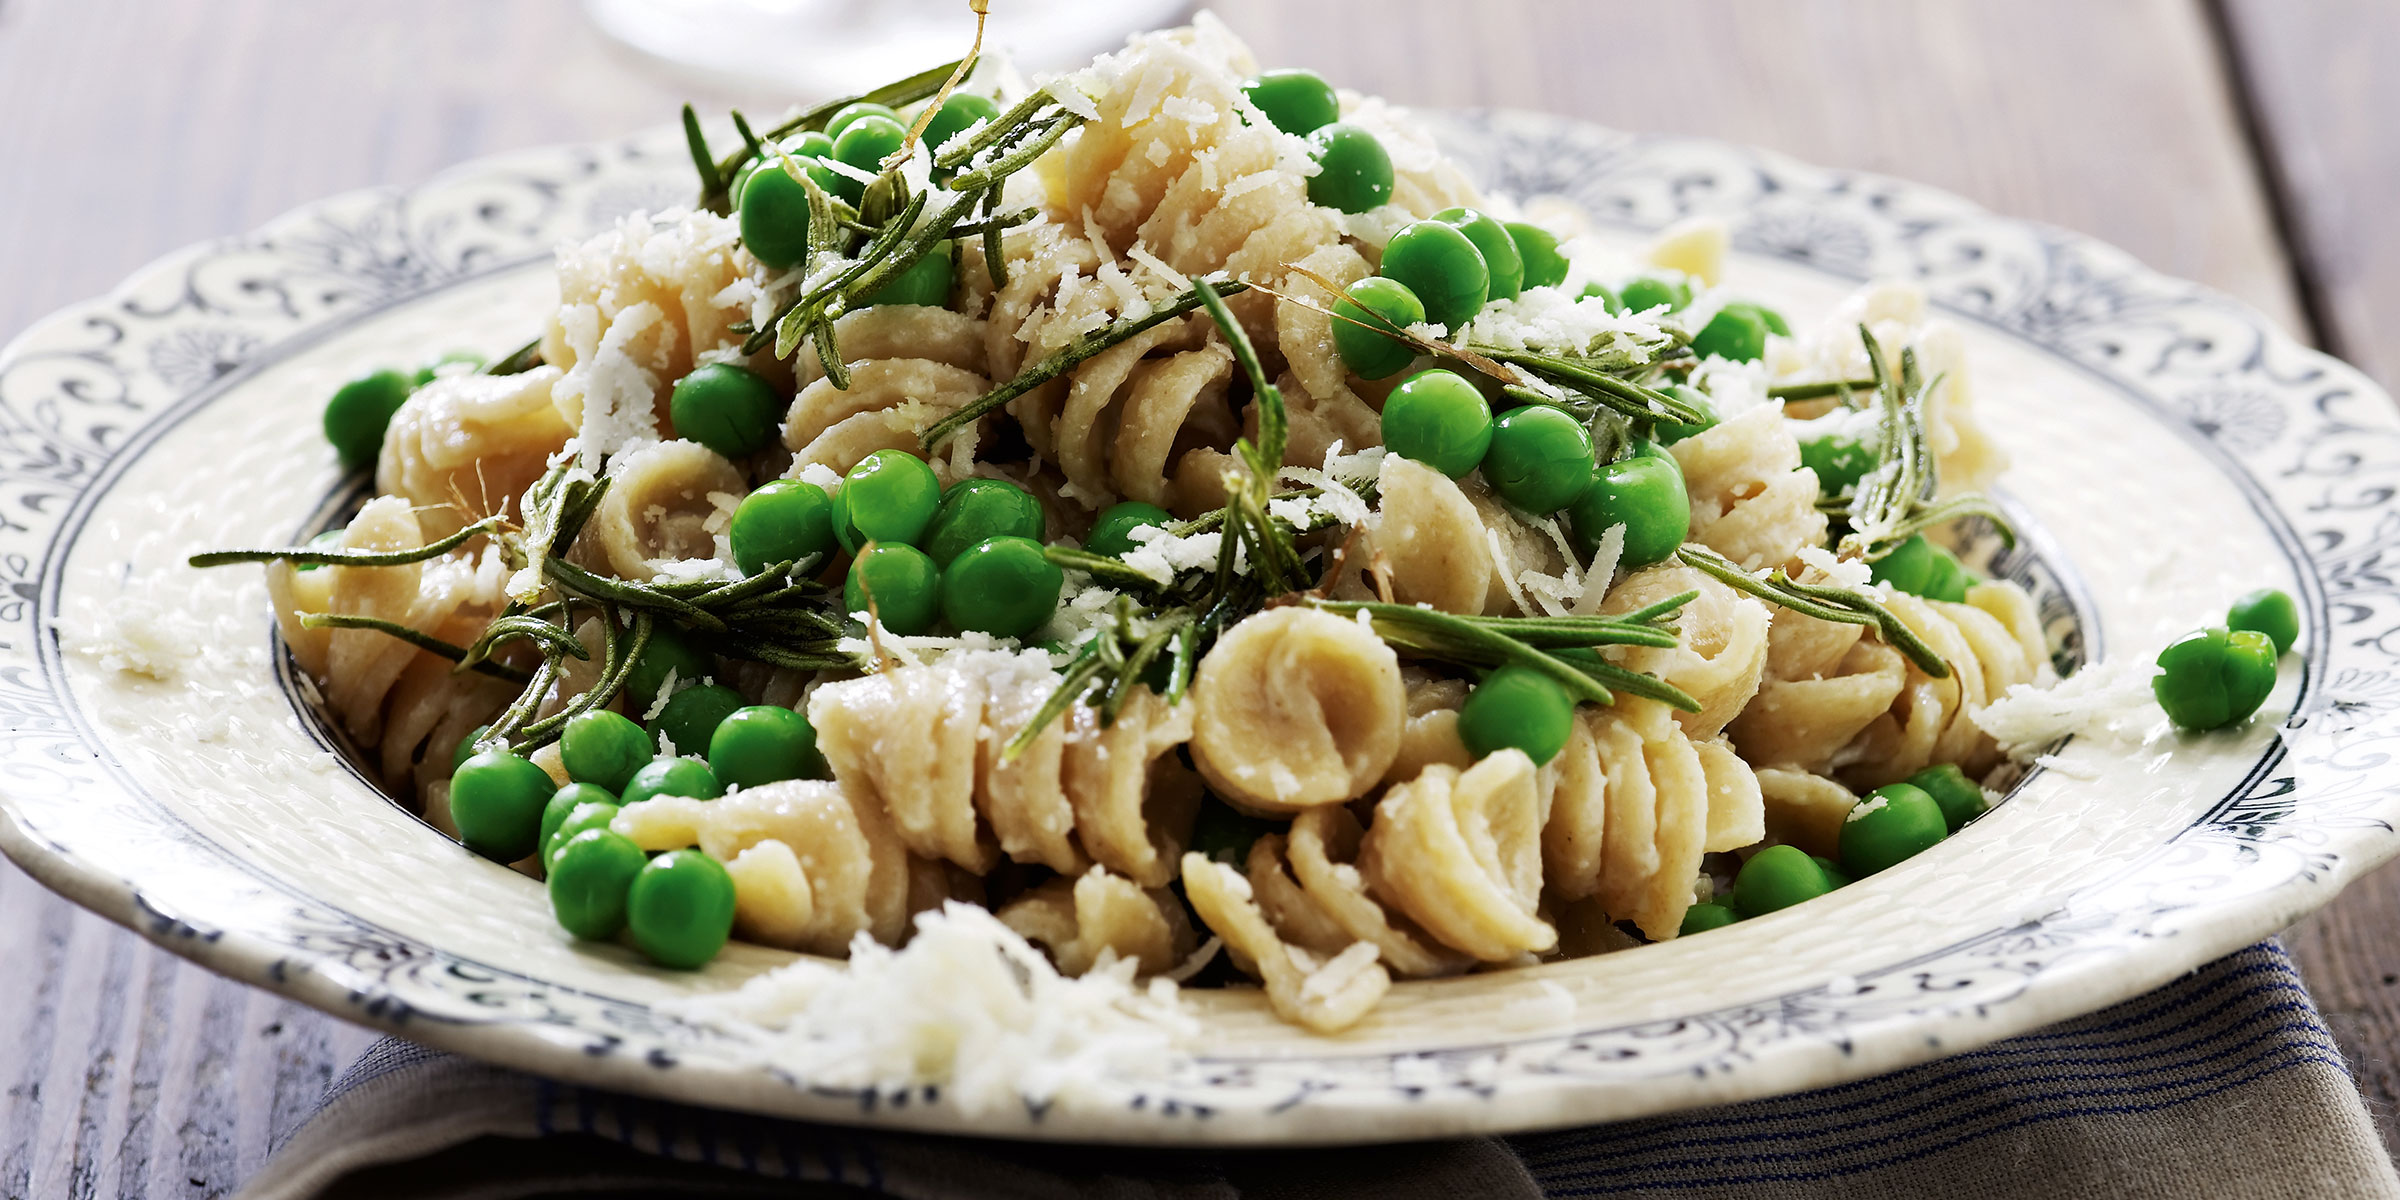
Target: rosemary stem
x=422 y=641
x=351 y=558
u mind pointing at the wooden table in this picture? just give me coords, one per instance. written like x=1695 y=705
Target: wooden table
x=2236 y=142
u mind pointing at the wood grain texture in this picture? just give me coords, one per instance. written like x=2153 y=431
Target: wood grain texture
x=136 y=127
x=2321 y=88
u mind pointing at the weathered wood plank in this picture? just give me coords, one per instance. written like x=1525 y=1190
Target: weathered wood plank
x=2322 y=92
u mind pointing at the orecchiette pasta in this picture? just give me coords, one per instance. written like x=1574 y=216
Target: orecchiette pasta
x=1635 y=802
x=467 y=446
x=927 y=743
x=1084 y=920
x=1752 y=501
x=1295 y=708
x=667 y=502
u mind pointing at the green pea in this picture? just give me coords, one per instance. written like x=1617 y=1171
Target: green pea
x=785 y=520
x=1298 y=102
x=1921 y=568
x=691 y=716
x=1112 y=534
x=603 y=748
x=1961 y=798
x=1365 y=307
x=727 y=408
x=1768 y=317
x=562 y=804
x=680 y=907
x=774 y=216
x=591 y=878
x=904 y=584
x=1517 y=707
x=1838 y=460
x=975 y=509
x=673 y=775
x=1608 y=299
x=1775 y=879
x=1438 y=418
x=466 y=747
x=1835 y=876
x=1540 y=460
x=582 y=817
x=956 y=115
x=850 y=114
x=1888 y=826
x=2269 y=611
x=1354 y=174
x=359 y=412
x=1436 y=262
x=1224 y=834
x=496 y=800
x=1671 y=432
x=1700 y=918
x=890 y=496
x=1734 y=333
x=2214 y=677
x=665 y=654
x=1649 y=292
x=925 y=283
x=1002 y=586
x=1645 y=495
x=1505 y=267
x=764 y=744
x=864 y=143
x=1538 y=249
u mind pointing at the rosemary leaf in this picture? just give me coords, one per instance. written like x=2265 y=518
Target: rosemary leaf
x=1111 y=571
x=350 y=558
x=1016 y=159
x=584 y=585
x=1825 y=602
x=1078 y=679
x=1003 y=126
x=711 y=183
x=524 y=358
x=1818 y=390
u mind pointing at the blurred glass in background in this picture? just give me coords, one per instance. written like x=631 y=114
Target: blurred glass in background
x=815 y=49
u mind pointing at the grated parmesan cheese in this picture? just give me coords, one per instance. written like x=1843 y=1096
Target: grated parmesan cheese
x=2108 y=700
x=969 y=1004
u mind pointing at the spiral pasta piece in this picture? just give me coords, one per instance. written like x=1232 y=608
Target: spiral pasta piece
x=814 y=864
x=1324 y=994
x=1308 y=882
x=1294 y=708
x=1635 y=803
x=464 y=447
x=925 y=743
x=1805 y=810
x=638 y=304
x=1992 y=643
x=667 y=502
x=1450 y=545
x=1752 y=501
x=1808 y=722
x=411 y=706
x=1133 y=421
x=909 y=366
x=1087 y=920
x=1721 y=653
x=1429 y=734
x=1460 y=852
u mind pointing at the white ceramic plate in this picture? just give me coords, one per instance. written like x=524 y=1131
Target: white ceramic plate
x=2172 y=451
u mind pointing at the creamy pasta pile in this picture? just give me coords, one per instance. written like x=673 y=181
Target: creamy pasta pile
x=1330 y=721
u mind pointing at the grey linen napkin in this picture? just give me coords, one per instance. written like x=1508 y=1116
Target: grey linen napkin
x=2224 y=1084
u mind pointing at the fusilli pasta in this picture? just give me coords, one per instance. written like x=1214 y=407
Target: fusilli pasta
x=1086 y=919
x=464 y=447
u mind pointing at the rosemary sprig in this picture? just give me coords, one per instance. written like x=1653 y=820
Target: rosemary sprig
x=1274 y=559
x=1599 y=379
x=350 y=558
x=421 y=640
x=1066 y=359
x=1824 y=601
x=1818 y=390
x=713 y=194
x=1446 y=637
x=710 y=181
x=518 y=361
x=1895 y=501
